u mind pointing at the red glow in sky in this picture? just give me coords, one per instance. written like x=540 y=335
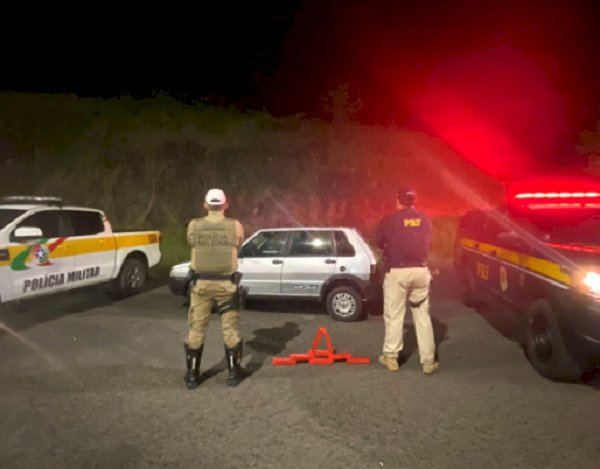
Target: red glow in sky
x=507 y=84
x=496 y=109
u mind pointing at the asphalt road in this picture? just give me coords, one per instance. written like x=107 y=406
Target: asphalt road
x=86 y=382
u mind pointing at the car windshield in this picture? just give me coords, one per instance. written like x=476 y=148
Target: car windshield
x=8 y=214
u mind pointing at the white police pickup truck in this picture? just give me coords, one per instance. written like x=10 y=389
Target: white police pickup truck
x=46 y=247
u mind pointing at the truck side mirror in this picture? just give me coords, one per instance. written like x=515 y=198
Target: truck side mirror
x=27 y=233
x=511 y=240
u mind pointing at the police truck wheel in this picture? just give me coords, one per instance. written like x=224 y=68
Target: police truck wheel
x=132 y=277
x=345 y=304
x=545 y=347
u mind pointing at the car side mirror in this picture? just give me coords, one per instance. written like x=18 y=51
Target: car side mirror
x=245 y=251
x=27 y=233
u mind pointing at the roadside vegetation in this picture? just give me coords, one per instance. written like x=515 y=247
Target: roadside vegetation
x=148 y=164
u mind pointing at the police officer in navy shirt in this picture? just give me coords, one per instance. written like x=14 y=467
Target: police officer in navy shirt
x=405 y=238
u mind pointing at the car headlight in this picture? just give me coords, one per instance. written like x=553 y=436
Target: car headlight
x=591 y=281
x=587 y=282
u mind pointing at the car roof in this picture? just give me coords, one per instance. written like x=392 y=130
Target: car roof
x=44 y=206
x=17 y=207
x=30 y=202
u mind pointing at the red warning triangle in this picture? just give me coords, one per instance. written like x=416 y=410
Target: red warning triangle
x=316 y=356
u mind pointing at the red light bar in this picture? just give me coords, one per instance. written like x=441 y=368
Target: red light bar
x=574 y=247
x=557 y=195
x=551 y=205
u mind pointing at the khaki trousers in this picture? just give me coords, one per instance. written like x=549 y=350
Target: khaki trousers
x=400 y=285
x=205 y=295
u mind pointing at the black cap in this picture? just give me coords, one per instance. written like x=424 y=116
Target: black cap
x=406 y=195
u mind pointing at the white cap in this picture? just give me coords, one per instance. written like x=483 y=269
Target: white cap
x=215 y=197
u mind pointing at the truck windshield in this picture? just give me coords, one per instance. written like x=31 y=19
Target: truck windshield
x=9 y=214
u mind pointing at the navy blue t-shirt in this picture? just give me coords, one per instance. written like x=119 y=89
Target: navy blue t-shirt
x=405 y=238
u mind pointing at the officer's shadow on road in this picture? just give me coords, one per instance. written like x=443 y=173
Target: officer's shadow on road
x=410 y=344
x=265 y=343
x=268 y=343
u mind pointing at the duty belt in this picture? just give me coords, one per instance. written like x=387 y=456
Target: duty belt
x=402 y=265
x=206 y=276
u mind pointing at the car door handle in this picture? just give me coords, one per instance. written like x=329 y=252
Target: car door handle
x=329 y=261
x=277 y=261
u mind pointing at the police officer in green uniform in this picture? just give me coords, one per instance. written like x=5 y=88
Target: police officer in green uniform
x=214 y=240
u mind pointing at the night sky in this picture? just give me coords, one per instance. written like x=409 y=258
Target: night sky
x=521 y=74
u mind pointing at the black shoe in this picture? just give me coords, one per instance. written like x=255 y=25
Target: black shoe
x=192 y=361
x=234 y=358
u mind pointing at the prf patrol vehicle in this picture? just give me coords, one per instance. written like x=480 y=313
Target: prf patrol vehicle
x=538 y=258
x=47 y=247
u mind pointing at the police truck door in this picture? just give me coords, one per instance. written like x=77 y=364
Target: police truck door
x=40 y=265
x=93 y=249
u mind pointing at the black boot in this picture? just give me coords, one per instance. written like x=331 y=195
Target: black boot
x=234 y=358
x=192 y=361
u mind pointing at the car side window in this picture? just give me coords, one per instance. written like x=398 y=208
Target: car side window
x=84 y=222
x=316 y=243
x=49 y=221
x=342 y=245
x=265 y=244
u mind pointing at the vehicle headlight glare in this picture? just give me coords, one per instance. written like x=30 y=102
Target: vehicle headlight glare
x=592 y=281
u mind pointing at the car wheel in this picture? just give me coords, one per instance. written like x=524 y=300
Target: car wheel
x=132 y=277
x=545 y=347
x=469 y=295
x=344 y=303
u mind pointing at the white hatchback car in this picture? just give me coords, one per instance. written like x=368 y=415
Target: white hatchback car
x=333 y=265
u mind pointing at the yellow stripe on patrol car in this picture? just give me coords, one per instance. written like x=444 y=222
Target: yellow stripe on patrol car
x=78 y=246
x=137 y=239
x=533 y=264
x=14 y=251
x=110 y=243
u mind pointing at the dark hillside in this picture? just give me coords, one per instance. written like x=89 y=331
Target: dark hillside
x=148 y=163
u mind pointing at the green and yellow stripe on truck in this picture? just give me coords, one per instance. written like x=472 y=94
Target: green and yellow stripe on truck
x=76 y=246
x=538 y=265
